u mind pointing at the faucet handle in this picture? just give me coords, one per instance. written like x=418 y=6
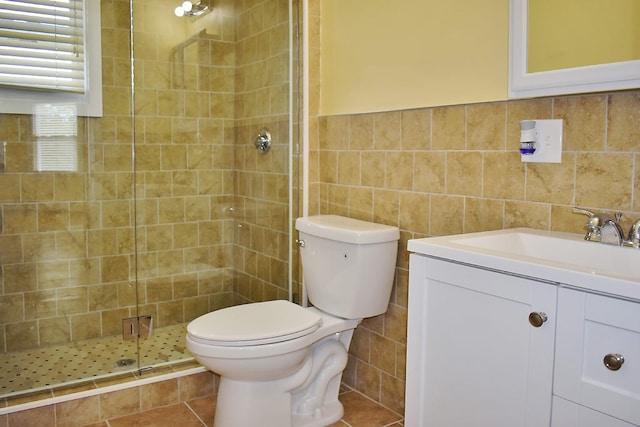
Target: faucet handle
x=583 y=212
x=594 y=224
x=595 y=220
x=634 y=234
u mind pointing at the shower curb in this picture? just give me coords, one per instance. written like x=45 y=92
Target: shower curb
x=101 y=390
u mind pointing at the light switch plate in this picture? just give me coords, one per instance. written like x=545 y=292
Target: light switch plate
x=548 y=142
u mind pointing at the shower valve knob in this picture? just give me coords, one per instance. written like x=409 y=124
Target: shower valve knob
x=263 y=141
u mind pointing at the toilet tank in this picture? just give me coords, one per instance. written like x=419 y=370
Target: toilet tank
x=348 y=264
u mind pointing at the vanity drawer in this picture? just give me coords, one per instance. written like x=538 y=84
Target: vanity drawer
x=598 y=353
x=569 y=414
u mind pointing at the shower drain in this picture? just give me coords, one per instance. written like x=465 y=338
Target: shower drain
x=125 y=362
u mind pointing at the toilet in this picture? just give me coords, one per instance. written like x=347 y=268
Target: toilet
x=280 y=364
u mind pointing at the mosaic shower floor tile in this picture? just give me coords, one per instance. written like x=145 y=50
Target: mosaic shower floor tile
x=44 y=368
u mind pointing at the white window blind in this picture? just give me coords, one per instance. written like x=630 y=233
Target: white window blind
x=55 y=127
x=42 y=45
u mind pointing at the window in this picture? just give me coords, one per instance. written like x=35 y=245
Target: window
x=50 y=53
x=55 y=128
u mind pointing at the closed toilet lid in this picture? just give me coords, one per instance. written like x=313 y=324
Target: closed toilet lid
x=255 y=324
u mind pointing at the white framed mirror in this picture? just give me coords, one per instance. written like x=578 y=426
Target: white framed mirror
x=528 y=78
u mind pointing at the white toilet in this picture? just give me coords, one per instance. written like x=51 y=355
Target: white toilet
x=281 y=364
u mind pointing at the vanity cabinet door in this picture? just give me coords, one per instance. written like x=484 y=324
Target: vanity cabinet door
x=598 y=353
x=473 y=357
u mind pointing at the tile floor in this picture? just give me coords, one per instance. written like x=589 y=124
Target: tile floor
x=359 y=411
x=51 y=367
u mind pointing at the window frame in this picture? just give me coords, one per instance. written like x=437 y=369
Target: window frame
x=89 y=104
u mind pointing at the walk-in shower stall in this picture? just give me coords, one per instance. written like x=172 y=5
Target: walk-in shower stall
x=172 y=196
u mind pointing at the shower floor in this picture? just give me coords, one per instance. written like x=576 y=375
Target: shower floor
x=74 y=363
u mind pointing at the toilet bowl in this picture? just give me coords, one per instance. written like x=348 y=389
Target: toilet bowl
x=266 y=377
x=281 y=364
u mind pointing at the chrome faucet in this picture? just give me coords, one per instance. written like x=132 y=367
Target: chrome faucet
x=605 y=229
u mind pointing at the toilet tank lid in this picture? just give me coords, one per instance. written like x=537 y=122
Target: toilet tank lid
x=348 y=230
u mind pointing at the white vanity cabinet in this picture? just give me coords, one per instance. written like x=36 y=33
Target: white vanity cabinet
x=522 y=327
x=597 y=360
x=474 y=357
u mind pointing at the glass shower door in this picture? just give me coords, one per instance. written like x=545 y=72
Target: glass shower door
x=157 y=211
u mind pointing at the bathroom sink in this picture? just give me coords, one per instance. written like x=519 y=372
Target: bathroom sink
x=549 y=256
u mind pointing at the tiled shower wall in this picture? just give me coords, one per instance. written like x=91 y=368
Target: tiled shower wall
x=457 y=169
x=67 y=248
x=262 y=183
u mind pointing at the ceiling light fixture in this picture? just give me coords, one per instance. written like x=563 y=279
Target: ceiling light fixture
x=188 y=8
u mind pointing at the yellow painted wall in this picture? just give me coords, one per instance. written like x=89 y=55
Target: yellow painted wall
x=381 y=55
x=574 y=33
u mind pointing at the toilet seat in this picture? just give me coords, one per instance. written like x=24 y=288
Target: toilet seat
x=254 y=324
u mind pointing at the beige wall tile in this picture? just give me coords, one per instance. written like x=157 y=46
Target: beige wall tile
x=118 y=403
x=464 y=173
x=448 y=128
x=395 y=323
x=414 y=212
x=584 y=122
x=388 y=130
x=503 y=175
x=349 y=167
x=21 y=336
x=392 y=392
x=429 y=172
x=623 y=133
x=602 y=180
x=197 y=385
x=446 y=215
x=383 y=354
x=416 y=129
x=367 y=380
x=483 y=215
x=636 y=185
x=361 y=203
x=334 y=132
x=361 y=132
x=373 y=169
x=36 y=187
x=525 y=214
x=158 y=394
x=399 y=170
x=20 y=218
x=486 y=126
x=33 y=417
x=385 y=207
x=19 y=278
x=550 y=182
x=361 y=344
x=77 y=413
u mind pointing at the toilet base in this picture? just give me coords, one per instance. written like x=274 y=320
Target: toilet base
x=329 y=414
x=242 y=404
x=251 y=404
x=272 y=412
x=307 y=398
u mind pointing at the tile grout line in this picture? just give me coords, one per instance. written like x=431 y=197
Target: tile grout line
x=194 y=413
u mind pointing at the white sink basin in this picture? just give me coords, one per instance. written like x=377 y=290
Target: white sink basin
x=550 y=256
